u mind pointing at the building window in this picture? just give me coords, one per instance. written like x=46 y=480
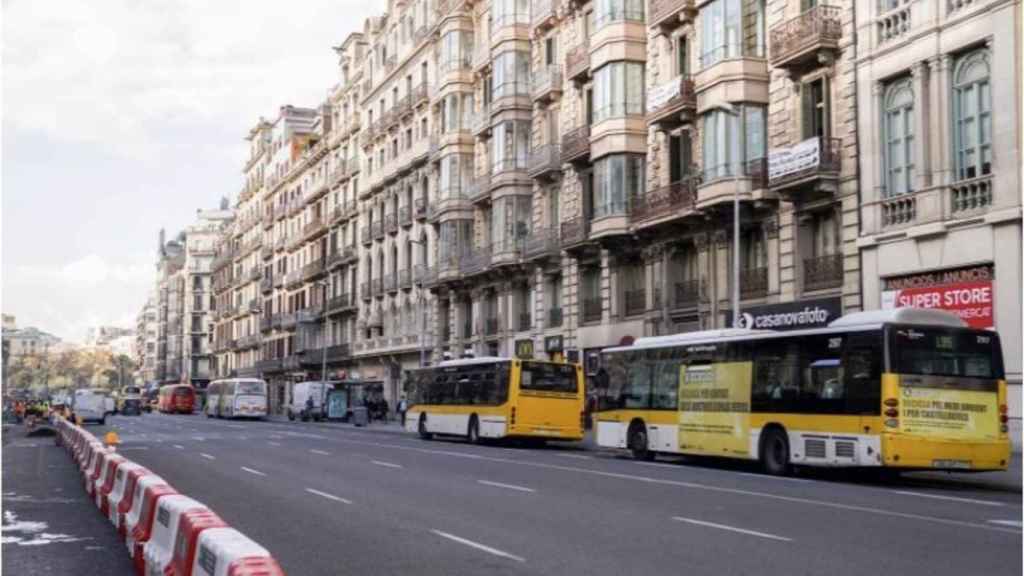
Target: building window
x=731 y=29
x=553 y=207
x=898 y=135
x=815 y=110
x=610 y=11
x=972 y=116
x=618 y=90
x=550 y=52
x=456 y=171
x=510 y=12
x=510 y=145
x=733 y=140
x=617 y=178
x=510 y=220
x=511 y=74
x=456 y=50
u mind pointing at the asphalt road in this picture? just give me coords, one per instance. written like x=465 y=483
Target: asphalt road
x=331 y=499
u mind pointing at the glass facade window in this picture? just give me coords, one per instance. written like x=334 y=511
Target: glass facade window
x=617 y=178
x=972 y=116
x=510 y=12
x=898 y=137
x=511 y=74
x=731 y=29
x=510 y=220
x=510 y=146
x=733 y=140
x=456 y=110
x=455 y=239
x=611 y=11
x=456 y=51
x=455 y=174
x=618 y=90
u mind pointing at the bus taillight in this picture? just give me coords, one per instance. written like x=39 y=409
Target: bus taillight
x=512 y=417
x=891 y=402
x=892 y=412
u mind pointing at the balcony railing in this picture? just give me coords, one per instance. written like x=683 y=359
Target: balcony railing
x=547 y=83
x=420 y=208
x=364 y=235
x=405 y=279
x=365 y=290
x=591 y=310
x=378 y=286
x=289 y=320
x=672 y=103
x=577 y=62
x=797 y=41
x=390 y=283
x=378 y=230
x=675 y=199
x=525 y=321
x=543 y=11
x=576 y=144
x=479 y=188
x=635 y=301
x=391 y=223
x=545 y=161
x=685 y=293
x=555 y=317
x=405 y=215
x=293 y=279
x=542 y=242
x=823 y=272
x=476 y=260
x=313 y=269
x=753 y=282
x=340 y=302
x=574 y=231
x=803 y=163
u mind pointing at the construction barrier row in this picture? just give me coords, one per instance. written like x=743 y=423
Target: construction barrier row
x=166 y=533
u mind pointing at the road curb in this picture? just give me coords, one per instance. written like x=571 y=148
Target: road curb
x=189 y=538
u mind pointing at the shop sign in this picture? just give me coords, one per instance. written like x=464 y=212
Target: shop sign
x=799 y=315
x=553 y=344
x=971 y=301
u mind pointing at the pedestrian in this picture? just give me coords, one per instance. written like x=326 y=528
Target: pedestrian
x=384 y=410
x=402 y=407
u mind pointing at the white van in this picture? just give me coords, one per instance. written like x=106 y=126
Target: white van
x=92 y=405
x=301 y=391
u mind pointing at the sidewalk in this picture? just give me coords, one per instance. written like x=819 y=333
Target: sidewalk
x=391 y=426
x=50 y=526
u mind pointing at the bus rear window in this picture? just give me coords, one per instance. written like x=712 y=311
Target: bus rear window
x=249 y=388
x=945 y=352
x=541 y=377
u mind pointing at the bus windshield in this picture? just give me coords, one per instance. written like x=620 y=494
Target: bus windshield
x=544 y=377
x=945 y=352
x=249 y=388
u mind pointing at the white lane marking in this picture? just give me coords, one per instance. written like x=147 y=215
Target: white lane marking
x=135 y=448
x=329 y=496
x=274 y=443
x=950 y=498
x=386 y=464
x=1014 y=523
x=198 y=438
x=251 y=471
x=479 y=546
x=770 y=477
x=179 y=446
x=321 y=452
x=577 y=456
x=235 y=426
x=509 y=486
x=732 y=529
x=207 y=456
x=695 y=486
x=277 y=437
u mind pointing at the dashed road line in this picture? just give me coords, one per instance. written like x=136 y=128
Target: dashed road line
x=386 y=464
x=207 y=456
x=479 y=546
x=179 y=446
x=507 y=486
x=255 y=472
x=321 y=452
x=329 y=496
x=732 y=529
x=950 y=498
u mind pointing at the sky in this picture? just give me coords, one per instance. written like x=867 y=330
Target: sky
x=120 y=118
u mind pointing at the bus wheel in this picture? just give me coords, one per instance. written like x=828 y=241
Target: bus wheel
x=473 y=435
x=775 y=452
x=637 y=442
x=422 y=428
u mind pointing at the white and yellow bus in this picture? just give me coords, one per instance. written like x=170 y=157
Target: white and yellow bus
x=491 y=398
x=904 y=389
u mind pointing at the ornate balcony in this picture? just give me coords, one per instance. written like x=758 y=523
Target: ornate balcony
x=676 y=199
x=635 y=301
x=542 y=243
x=390 y=283
x=544 y=13
x=366 y=290
x=545 y=161
x=420 y=208
x=670 y=14
x=341 y=303
x=391 y=224
x=823 y=272
x=289 y=320
x=378 y=230
x=574 y=231
x=807 y=41
x=313 y=270
x=405 y=216
x=672 y=103
x=293 y=279
x=685 y=293
x=378 y=287
x=577 y=63
x=266 y=285
x=591 y=309
x=405 y=279
x=479 y=188
x=806 y=169
x=753 y=282
x=364 y=235
x=476 y=261
x=546 y=84
x=576 y=144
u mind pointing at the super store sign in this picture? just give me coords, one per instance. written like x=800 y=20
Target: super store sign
x=965 y=292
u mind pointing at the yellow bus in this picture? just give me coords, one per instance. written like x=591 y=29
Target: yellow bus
x=902 y=389
x=492 y=398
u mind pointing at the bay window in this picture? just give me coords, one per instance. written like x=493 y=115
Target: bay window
x=731 y=29
x=456 y=50
x=455 y=239
x=454 y=175
x=733 y=140
x=511 y=74
x=510 y=12
x=618 y=90
x=617 y=178
x=510 y=145
x=611 y=11
x=456 y=110
x=510 y=221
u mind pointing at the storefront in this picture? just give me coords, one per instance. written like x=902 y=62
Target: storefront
x=966 y=292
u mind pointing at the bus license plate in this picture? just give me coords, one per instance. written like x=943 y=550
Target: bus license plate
x=957 y=464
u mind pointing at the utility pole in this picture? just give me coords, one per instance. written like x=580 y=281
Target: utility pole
x=735 y=257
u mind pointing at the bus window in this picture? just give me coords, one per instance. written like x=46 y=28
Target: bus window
x=863 y=372
x=665 y=392
x=549 y=377
x=776 y=385
x=945 y=352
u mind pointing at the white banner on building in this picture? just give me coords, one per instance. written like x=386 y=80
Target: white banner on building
x=661 y=94
x=786 y=161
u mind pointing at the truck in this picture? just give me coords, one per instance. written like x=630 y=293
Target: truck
x=92 y=405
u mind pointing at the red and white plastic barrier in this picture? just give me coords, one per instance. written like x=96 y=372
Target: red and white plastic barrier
x=166 y=533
